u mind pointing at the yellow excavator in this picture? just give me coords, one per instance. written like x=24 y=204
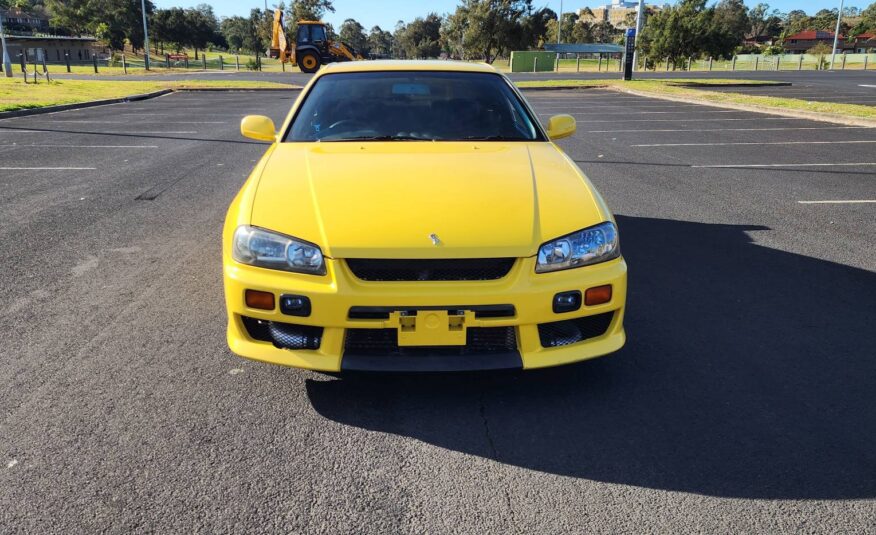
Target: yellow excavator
x=312 y=49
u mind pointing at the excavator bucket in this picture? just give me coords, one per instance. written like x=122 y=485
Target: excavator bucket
x=278 y=36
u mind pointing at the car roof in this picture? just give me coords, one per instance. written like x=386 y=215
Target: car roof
x=406 y=65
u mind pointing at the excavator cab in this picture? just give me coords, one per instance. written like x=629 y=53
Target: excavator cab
x=312 y=46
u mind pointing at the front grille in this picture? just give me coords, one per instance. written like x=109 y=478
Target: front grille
x=566 y=332
x=384 y=342
x=466 y=269
x=283 y=335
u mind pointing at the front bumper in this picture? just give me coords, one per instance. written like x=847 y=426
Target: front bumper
x=523 y=294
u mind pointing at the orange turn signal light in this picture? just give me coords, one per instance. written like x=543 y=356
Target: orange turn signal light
x=260 y=300
x=597 y=295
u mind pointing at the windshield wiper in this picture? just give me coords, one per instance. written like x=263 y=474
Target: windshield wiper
x=379 y=138
x=493 y=138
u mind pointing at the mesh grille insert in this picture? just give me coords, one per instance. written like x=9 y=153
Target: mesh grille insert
x=566 y=332
x=283 y=335
x=384 y=342
x=467 y=269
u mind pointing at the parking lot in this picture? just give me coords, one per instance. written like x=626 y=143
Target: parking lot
x=857 y=88
x=743 y=399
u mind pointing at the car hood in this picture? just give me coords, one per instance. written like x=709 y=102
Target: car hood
x=386 y=200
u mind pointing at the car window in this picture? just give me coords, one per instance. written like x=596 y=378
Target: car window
x=318 y=33
x=428 y=106
x=303 y=34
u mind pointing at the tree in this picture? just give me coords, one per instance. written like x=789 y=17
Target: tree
x=867 y=22
x=202 y=27
x=604 y=32
x=353 y=34
x=236 y=31
x=487 y=28
x=397 y=34
x=677 y=32
x=306 y=10
x=570 y=19
x=168 y=27
x=114 y=21
x=534 y=28
x=379 y=42
x=260 y=23
x=729 y=24
x=421 y=38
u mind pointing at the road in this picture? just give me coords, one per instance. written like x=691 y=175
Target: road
x=852 y=87
x=743 y=400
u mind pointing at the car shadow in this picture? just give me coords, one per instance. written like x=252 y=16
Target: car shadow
x=748 y=372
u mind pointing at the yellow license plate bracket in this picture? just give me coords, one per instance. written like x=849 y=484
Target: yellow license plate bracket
x=431 y=327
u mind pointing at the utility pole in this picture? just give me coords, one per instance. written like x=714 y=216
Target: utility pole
x=560 y=24
x=7 y=64
x=640 y=15
x=145 y=35
x=839 y=17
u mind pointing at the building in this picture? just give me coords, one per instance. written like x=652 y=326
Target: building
x=800 y=42
x=865 y=43
x=29 y=37
x=616 y=13
x=15 y=20
x=34 y=48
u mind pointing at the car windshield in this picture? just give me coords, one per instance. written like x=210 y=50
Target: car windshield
x=412 y=106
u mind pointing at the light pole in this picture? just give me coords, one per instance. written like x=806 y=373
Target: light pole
x=145 y=35
x=839 y=17
x=560 y=24
x=640 y=15
x=7 y=64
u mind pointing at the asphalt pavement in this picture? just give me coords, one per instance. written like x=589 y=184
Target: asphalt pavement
x=743 y=400
x=852 y=86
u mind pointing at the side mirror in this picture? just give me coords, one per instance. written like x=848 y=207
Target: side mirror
x=560 y=126
x=258 y=127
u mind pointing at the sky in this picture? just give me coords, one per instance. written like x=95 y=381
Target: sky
x=385 y=13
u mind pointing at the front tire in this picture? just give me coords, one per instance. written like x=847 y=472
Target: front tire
x=309 y=62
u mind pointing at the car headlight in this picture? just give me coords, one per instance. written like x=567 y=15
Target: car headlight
x=592 y=245
x=263 y=248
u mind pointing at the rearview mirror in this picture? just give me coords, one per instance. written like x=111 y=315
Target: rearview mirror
x=258 y=127
x=560 y=126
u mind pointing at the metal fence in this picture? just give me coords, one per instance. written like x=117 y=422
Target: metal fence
x=547 y=61
x=126 y=65
x=759 y=62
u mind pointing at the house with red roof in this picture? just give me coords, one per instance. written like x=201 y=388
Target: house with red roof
x=865 y=43
x=800 y=42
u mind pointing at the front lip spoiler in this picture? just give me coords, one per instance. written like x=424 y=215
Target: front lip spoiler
x=435 y=362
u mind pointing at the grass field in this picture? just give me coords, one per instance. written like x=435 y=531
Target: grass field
x=16 y=95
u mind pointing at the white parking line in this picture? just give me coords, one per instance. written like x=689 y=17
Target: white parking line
x=851 y=164
x=866 y=85
x=141 y=122
x=728 y=129
x=133 y=134
x=756 y=118
x=859 y=201
x=47 y=168
x=697 y=112
x=23 y=146
x=752 y=143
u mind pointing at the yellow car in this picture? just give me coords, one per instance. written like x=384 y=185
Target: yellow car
x=415 y=216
